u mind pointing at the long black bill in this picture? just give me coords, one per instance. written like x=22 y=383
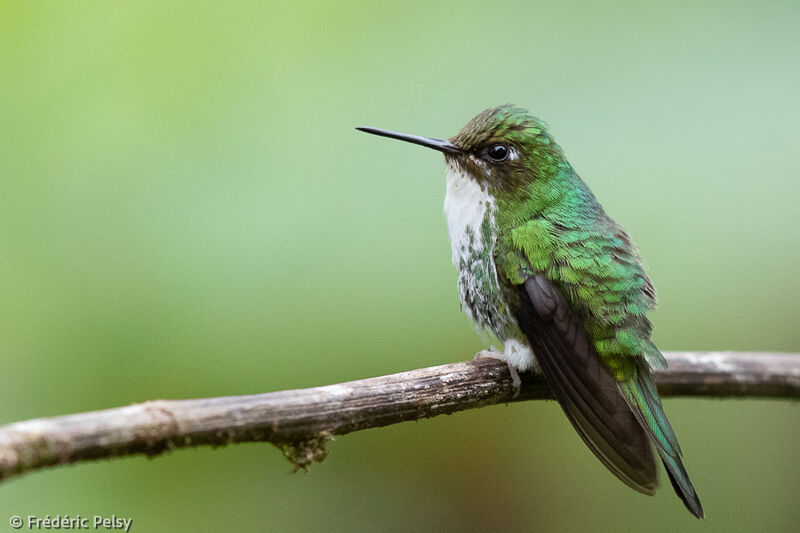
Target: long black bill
x=437 y=144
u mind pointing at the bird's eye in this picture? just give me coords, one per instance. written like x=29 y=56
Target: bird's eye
x=497 y=152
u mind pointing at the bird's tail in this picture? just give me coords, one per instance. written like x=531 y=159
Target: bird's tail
x=642 y=396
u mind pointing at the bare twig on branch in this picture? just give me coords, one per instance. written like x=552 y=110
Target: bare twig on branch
x=300 y=422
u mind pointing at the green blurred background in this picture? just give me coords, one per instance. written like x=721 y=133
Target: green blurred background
x=187 y=211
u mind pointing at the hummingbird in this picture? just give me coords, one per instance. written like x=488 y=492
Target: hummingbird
x=544 y=269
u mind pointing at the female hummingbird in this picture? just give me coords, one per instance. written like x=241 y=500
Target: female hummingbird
x=543 y=268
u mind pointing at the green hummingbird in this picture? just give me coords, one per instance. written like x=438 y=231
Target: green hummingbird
x=543 y=268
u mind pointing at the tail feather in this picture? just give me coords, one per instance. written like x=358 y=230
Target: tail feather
x=617 y=420
x=646 y=405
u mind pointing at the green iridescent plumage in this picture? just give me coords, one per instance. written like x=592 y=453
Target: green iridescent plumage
x=551 y=220
x=545 y=269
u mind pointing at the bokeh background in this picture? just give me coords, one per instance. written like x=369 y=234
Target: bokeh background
x=187 y=211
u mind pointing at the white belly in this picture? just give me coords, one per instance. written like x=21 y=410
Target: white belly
x=469 y=210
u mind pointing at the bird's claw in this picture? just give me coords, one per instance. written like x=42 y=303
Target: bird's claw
x=492 y=353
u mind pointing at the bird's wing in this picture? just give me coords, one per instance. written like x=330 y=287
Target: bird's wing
x=585 y=389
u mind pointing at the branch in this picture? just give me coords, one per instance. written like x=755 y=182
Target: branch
x=300 y=422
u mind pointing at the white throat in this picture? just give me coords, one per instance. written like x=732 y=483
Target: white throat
x=465 y=205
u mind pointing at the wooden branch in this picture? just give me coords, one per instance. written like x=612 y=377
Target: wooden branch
x=300 y=422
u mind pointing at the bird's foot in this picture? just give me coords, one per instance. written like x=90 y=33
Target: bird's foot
x=492 y=353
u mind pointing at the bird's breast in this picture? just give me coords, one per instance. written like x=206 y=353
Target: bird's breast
x=469 y=209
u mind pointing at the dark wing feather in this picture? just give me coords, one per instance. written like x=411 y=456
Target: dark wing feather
x=585 y=389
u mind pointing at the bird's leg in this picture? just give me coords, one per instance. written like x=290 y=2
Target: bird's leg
x=493 y=353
